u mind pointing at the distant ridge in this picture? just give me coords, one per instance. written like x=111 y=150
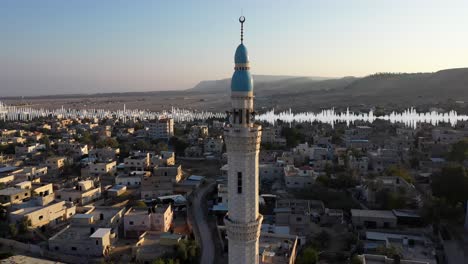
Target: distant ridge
x=223 y=85
x=305 y=93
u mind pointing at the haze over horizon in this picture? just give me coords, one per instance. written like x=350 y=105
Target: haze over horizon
x=72 y=47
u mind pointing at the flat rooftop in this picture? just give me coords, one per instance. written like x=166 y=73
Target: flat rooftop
x=372 y=213
x=73 y=233
x=20 y=259
x=12 y=191
x=101 y=232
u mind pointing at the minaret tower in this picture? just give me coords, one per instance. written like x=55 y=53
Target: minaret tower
x=242 y=138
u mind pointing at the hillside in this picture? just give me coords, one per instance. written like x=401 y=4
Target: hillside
x=285 y=92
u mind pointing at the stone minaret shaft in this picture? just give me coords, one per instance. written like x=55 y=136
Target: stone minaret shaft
x=242 y=138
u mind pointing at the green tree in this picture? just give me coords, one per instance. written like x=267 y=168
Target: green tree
x=46 y=141
x=390 y=200
x=86 y=138
x=451 y=184
x=309 y=256
x=356 y=260
x=292 y=135
x=159 y=261
x=13 y=230
x=143 y=145
x=178 y=145
x=459 y=151
x=107 y=142
x=181 y=252
x=23 y=226
x=323 y=239
x=400 y=172
x=161 y=146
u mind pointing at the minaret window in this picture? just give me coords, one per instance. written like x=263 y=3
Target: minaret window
x=239 y=182
x=240 y=116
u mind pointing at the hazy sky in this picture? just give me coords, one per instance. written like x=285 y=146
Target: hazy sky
x=81 y=46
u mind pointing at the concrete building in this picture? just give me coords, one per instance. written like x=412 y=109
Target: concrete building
x=99 y=216
x=271 y=171
x=132 y=179
x=97 y=169
x=37 y=216
x=104 y=154
x=272 y=135
x=139 y=161
x=82 y=194
x=242 y=136
x=161 y=129
x=414 y=248
x=34 y=172
x=72 y=149
x=28 y=149
x=197 y=131
x=55 y=163
x=297 y=214
x=165 y=158
x=278 y=248
x=393 y=184
x=82 y=241
x=373 y=218
x=298 y=178
x=139 y=220
x=384 y=158
x=161 y=182
x=153 y=245
x=11 y=195
x=213 y=145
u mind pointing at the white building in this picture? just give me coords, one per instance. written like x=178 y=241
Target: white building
x=298 y=178
x=161 y=129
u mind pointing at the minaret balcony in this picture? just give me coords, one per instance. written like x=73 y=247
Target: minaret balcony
x=240 y=231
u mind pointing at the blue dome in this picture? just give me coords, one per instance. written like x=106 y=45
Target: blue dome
x=241 y=55
x=241 y=81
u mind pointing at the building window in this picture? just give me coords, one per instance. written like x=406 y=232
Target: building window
x=130 y=223
x=73 y=248
x=239 y=182
x=41 y=217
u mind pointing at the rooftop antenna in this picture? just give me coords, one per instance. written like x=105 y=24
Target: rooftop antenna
x=242 y=20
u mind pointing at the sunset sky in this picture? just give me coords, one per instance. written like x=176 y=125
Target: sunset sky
x=88 y=46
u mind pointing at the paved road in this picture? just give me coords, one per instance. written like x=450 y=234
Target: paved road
x=198 y=215
x=199 y=212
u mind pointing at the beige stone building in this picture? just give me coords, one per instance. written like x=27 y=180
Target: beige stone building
x=55 y=163
x=278 y=248
x=137 y=162
x=101 y=168
x=139 y=220
x=161 y=182
x=82 y=194
x=81 y=241
x=52 y=213
x=166 y=158
x=11 y=195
